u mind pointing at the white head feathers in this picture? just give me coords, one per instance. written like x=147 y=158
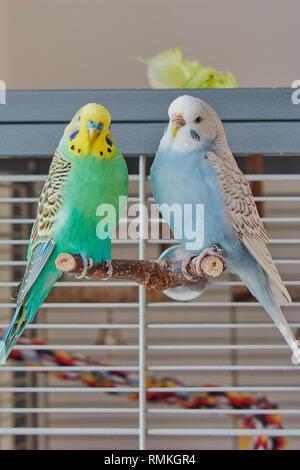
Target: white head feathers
x=193 y=126
x=188 y=105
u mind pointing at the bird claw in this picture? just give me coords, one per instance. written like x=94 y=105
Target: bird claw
x=213 y=250
x=200 y=258
x=87 y=264
x=184 y=267
x=109 y=271
x=90 y=265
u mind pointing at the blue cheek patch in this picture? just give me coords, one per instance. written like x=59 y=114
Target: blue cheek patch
x=108 y=141
x=195 y=135
x=74 y=134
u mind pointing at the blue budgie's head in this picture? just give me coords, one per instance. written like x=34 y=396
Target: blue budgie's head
x=193 y=126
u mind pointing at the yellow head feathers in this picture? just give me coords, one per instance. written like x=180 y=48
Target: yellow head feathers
x=89 y=132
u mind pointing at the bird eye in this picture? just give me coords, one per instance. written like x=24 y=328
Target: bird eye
x=198 y=119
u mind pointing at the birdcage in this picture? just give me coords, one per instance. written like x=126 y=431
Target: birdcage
x=151 y=353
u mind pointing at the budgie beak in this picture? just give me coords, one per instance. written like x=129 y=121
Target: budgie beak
x=177 y=121
x=94 y=127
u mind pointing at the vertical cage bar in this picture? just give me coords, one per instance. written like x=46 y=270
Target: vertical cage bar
x=142 y=295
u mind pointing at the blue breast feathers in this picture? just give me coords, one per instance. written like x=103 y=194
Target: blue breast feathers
x=187 y=180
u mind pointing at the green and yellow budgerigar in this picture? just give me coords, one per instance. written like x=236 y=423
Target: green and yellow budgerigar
x=87 y=171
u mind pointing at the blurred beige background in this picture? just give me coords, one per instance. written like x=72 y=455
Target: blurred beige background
x=94 y=43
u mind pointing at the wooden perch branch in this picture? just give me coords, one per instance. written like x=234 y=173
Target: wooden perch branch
x=153 y=274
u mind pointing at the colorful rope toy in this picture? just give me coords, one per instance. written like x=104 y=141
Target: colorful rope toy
x=190 y=400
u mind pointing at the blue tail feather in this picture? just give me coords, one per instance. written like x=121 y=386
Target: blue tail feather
x=257 y=282
x=13 y=332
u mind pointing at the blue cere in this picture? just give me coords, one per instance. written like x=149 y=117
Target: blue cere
x=94 y=125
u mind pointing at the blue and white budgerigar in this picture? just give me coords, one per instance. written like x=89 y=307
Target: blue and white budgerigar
x=87 y=171
x=194 y=165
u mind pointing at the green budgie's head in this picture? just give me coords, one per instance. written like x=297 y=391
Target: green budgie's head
x=89 y=133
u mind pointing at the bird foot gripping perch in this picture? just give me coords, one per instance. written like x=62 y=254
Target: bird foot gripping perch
x=196 y=269
x=207 y=263
x=110 y=270
x=87 y=264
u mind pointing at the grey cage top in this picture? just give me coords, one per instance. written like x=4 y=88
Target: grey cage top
x=256 y=120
